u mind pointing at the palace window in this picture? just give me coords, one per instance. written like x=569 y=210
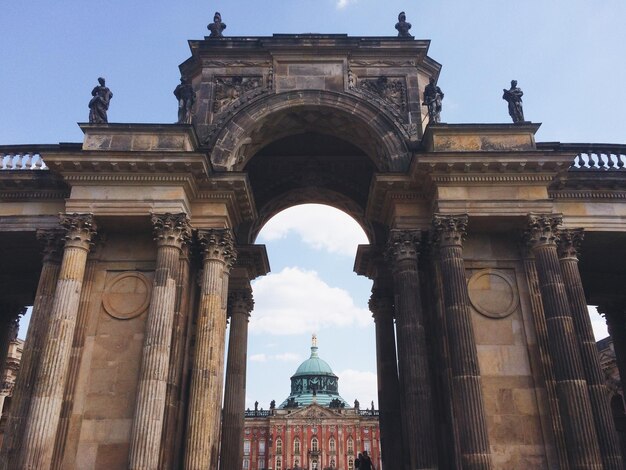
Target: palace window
x=332 y=445
x=314 y=444
x=279 y=446
x=246 y=464
x=367 y=446
x=279 y=463
x=261 y=447
x=350 y=463
x=350 y=446
x=261 y=465
x=246 y=447
x=296 y=446
x=314 y=464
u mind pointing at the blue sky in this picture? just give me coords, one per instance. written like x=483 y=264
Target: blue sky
x=568 y=56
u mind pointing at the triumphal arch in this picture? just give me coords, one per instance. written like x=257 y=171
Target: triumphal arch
x=135 y=246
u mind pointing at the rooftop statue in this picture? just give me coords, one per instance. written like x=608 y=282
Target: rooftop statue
x=217 y=26
x=99 y=104
x=432 y=98
x=514 y=97
x=186 y=98
x=402 y=26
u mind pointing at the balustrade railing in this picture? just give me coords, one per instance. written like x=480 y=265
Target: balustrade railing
x=22 y=157
x=600 y=157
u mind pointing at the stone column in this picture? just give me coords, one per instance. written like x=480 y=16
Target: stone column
x=37 y=328
x=568 y=249
x=47 y=395
x=467 y=398
x=414 y=375
x=614 y=312
x=240 y=305
x=207 y=372
x=171 y=231
x=578 y=424
x=9 y=325
x=381 y=306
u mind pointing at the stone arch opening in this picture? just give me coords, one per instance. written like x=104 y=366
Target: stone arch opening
x=240 y=135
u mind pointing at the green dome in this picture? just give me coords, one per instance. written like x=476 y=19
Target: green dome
x=314 y=382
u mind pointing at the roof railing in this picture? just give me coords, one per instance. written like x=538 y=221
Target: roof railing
x=601 y=157
x=23 y=157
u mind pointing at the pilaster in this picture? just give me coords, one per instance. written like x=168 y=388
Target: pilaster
x=171 y=231
x=47 y=396
x=571 y=386
x=467 y=399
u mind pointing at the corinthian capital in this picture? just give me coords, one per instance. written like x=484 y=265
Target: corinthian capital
x=217 y=244
x=240 y=301
x=542 y=229
x=81 y=229
x=403 y=245
x=171 y=229
x=51 y=244
x=569 y=242
x=449 y=230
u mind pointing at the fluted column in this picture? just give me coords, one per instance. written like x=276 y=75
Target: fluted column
x=52 y=243
x=47 y=396
x=381 y=306
x=171 y=231
x=467 y=398
x=240 y=305
x=614 y=312
x=414 y=376
x=568 y=249
x=9 y=325
x=580 y=434
x=205 y=397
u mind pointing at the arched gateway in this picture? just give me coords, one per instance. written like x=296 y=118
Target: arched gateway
x=485 y=354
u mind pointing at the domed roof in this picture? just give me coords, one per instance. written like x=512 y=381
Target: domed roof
x=314 y=382
x=314 y=365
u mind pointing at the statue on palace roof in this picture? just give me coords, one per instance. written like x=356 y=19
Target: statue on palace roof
x=186 y=98
x=432 y=98
x=99 y=103
x=217 y=26
x=403 y=26
x=514 y=97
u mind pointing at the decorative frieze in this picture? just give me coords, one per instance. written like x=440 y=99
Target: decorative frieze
x=229 y=89
x=391 y=90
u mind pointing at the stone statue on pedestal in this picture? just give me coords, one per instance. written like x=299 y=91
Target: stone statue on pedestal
x=514 y=97
x=403 y=26
x=99 y=104
x=432 y=98
x=186 y=98
x=217 y=26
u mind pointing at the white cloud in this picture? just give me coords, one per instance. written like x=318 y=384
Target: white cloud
x=321 y=227
x=360 y=385
x=295 y=301
x=598 y=323
x=344 y=3
x=258 y=358
x=288 y=357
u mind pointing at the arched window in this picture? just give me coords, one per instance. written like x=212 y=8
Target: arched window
x=279 y=446
x=314 y=464
x=246 y=464
x=350 y=463
x=246 y=447
x=279 y=463
x=296 y=446
x=261 y=447
x=315 y=444
x=350 y=445
x=332 y=445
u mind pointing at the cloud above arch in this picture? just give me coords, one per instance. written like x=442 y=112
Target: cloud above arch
x=296 y=301
x=318 y=226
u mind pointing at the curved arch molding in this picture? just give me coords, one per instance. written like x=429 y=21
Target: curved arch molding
x=127 y=295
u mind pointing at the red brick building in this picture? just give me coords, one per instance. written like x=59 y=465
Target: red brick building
x=313 y=428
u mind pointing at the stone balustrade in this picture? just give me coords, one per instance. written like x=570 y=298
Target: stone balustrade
x=592 y=156
x=17 y=158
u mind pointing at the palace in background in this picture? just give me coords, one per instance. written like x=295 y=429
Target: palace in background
x=313 y=428
x=138 y=244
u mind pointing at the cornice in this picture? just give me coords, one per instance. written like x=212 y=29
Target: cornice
x=586 y=194
x=494 y=178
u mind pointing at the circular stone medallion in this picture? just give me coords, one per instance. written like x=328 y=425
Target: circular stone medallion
x=493 y=293
x=127 y=295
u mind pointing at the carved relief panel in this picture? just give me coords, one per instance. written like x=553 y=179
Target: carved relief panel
x=229 y=89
